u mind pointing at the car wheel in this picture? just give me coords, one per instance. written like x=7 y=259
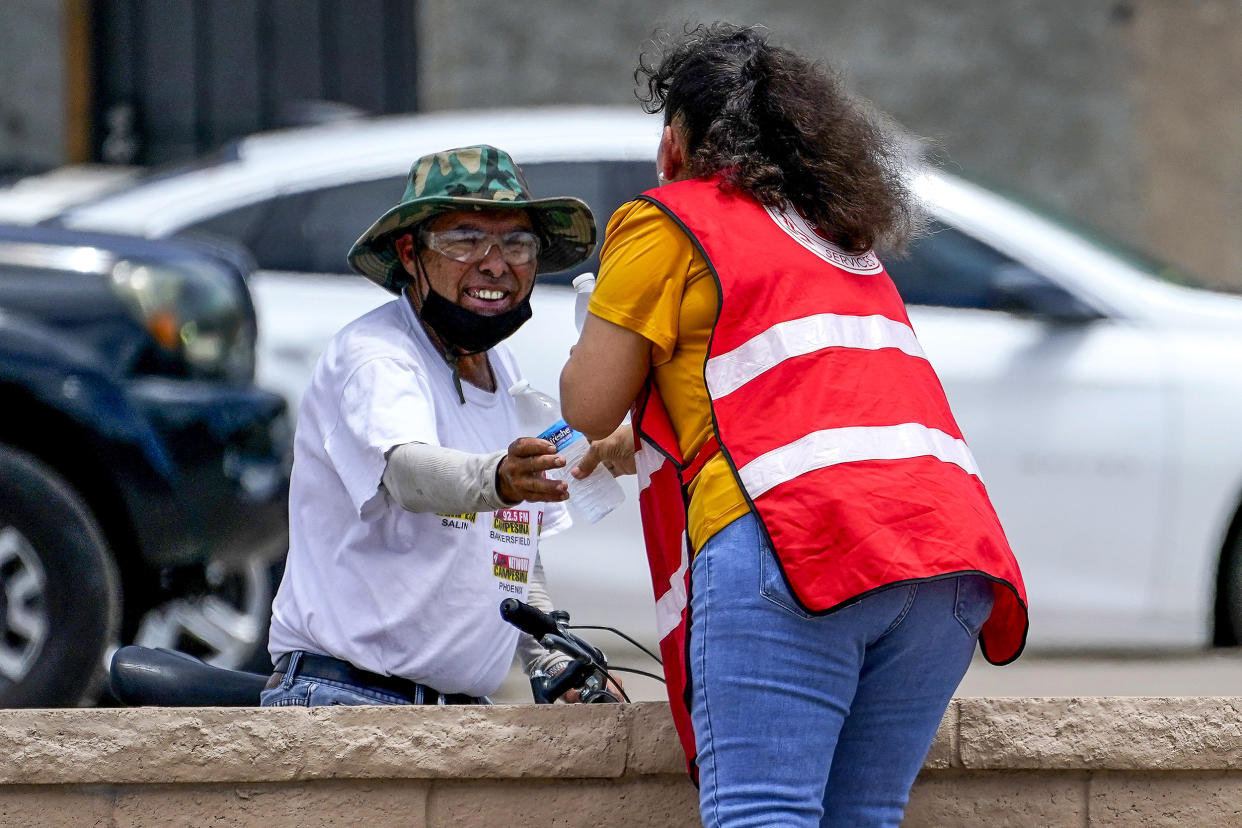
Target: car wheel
x=60 y=595
x=227 y=624
x=1229 y=600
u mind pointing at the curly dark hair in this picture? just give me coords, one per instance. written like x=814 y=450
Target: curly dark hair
x=780 y=127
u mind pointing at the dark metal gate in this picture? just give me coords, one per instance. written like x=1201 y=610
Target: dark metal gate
x=176 y=78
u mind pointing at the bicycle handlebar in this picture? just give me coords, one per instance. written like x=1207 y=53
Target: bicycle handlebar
x=530 y=620
x=588 y=668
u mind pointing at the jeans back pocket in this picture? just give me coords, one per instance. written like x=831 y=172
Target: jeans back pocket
x=973 y=603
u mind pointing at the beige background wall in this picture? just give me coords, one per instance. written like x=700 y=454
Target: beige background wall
x=1188 y=86
x=33 y=106
x=1125 y=115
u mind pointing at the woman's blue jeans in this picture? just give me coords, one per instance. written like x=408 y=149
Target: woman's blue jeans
x=807 y=721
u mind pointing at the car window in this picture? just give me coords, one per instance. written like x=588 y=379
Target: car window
x=312 y=231
x=309 y=231
x=949 y=269
x=241 y=225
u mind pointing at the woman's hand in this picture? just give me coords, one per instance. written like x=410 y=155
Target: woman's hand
x=616 y=452
x=520 y=477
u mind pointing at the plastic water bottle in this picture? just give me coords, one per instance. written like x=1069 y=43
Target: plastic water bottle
x=583 y=283
x=590 y=498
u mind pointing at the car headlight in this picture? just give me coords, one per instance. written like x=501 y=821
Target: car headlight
x=194 y=312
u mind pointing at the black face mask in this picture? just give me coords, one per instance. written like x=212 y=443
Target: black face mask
x=467 y=331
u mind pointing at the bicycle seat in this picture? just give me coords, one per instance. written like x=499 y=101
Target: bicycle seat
x=168 y=678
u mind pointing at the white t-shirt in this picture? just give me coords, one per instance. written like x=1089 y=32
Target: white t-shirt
x=395 y=592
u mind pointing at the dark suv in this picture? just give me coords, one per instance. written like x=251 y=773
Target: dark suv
x=143 y=477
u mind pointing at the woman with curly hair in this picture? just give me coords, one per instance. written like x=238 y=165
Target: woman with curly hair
x=823 y=552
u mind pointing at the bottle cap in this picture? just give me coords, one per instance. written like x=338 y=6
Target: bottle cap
x=584 y=282
x=519 y=387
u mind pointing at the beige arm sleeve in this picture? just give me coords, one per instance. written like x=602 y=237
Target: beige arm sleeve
x=532 y=655
x=426 y=478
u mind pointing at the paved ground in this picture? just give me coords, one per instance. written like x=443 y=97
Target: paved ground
x=1199 y=673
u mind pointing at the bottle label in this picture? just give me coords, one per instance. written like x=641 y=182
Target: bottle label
x=560 y=435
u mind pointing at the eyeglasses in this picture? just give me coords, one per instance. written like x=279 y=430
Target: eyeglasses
x=520 y=247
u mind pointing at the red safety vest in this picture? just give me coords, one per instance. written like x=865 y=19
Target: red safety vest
x=834 y=424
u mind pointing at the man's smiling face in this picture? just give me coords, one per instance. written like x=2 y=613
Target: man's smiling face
x=491 y=285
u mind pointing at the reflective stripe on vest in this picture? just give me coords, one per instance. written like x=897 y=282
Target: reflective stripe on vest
x=671 y=597
x=854 y=444
x=797 y=337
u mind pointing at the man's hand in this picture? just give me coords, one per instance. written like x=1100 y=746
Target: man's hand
x=520 y=473
x=616 y=452
x=574 y=696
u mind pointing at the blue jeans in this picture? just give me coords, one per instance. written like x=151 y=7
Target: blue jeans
x=299 y=690
x=304 y=691
x=807 y=721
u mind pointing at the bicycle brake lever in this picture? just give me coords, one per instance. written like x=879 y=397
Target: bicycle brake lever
x=575 y=647
x=548 y=689
x=570 y=645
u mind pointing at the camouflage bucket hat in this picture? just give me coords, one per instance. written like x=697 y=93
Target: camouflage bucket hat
x=473 y=178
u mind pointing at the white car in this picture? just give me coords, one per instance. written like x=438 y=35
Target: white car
x=1101 y=400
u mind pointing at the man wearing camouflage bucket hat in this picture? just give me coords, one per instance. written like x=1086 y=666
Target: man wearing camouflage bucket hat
x=415 y=504
x=473 y=178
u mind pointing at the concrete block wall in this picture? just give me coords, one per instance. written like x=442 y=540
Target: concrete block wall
x=995 y=762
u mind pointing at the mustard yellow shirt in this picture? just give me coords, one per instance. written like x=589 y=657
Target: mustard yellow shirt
x=654 y=281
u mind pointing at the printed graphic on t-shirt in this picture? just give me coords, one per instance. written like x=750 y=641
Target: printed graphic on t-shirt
x=539 y=524
x=510 y=567
x=461 y=521
x=511 y=526
x=803 y=232
x=457 y=522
